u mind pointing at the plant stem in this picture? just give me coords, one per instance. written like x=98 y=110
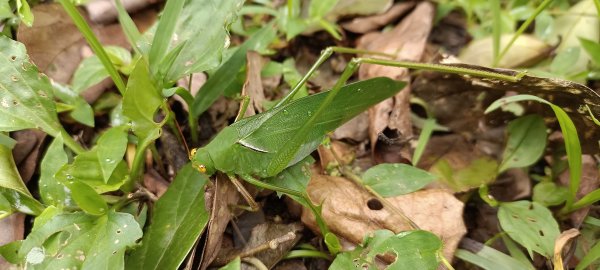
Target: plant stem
x=89 y=36
x=72 y=144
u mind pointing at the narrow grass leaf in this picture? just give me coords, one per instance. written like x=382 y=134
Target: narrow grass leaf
x=164 y=32
x=592 y=256
x=235 y=264
x=592 y=48
x=531 y=225
x=179 y=218
x=491 y=259
x=526 y=142
x=129 y=28
x=391 y=180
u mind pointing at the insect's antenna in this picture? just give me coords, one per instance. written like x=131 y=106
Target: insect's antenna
x=187 y=149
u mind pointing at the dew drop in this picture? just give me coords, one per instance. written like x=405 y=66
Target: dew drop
x=117 y=241
x=309 y=113
x=285 y=112
x=69 y=177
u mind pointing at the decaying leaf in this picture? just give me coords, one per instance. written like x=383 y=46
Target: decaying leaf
x=253 y=85
x=407 y=42
x=563 y=239
x=525 y=51
x=366 y=24
x=345 y=205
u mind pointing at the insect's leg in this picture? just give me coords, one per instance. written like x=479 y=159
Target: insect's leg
x=242 y=190
x=248 y=178
x=243 y=107
x=444 y=68
x=325 y=54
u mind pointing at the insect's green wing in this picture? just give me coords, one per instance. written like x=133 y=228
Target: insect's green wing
x=275 y=133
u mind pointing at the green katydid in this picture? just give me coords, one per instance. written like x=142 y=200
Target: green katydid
x=265 y=144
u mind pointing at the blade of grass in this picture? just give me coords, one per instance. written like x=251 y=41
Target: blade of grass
x=522 y=29
x=89 y=36
x=164 y=32
x=131 y=32
x=496 y=26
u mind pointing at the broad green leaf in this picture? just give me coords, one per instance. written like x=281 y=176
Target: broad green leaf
x=491 y=259
x=52 y=191
x=570 y=136
x=526 y=142
x=200 y=51
x=224 y=76
x=85 y=242
x=235 y=264
x=481 y=171
x=141 y=101
x=531 y=225
x=91 y=71
x=24 y=12
x=295 y=177
x=5 y=10
x=10 y=251
x=549 y=193
x=396 y=179
x=592 y=256
x=5 y=207
x=81 y=110
x=12 y=186
x=179 y=218
x=592 y=48
x=110 y=149
x=26 y=100
x=413 y=250
x=318 y=8
x=86 y=197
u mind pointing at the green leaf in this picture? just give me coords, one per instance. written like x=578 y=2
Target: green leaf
x=110 y=149
x=53 y=192
x=592 y=48
x=200 y=51
x=10 y=251
x=319 y=8
x=396 y=179
x=86 y=198
x=129 y=28
x=531 y=225
x=179 y=218
x=526 y=142
x=164 y=32
x=491 y=259
x=24 y=12
x=91 y=71
x=81 y=110
x=571 y=140
x=85 y=242
x=5 y=10
x=235 y=264
x=564 y=61
x=13 y=188
x=5 y=207
x=413 y=250
x=549 y=193
x=295 y=177
x=141 y=101
x=7 y=141
x=480 y=171
x=222 y=78
x=428 y=126
x=592 y=256
x=26 y=99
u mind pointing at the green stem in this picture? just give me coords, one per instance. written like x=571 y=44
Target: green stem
x=264 y=185
x=445 y=262
x=303 y=253
x=72 y=144
x=89 y=36
x=497 y=27
x=521 y=30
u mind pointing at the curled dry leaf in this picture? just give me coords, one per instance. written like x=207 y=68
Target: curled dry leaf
x=253 y=85
x=526 y=51
x=351 y=212
x=407 y=42
x=366 y=24
x=563 y=239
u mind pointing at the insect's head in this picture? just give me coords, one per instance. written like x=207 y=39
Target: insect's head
x=201 y=161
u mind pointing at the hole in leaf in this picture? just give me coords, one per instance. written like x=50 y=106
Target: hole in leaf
x=374 y=204
x=119 y=231
x=515 y=216
x=531 y=206
x=13 y=58
x=541 y=233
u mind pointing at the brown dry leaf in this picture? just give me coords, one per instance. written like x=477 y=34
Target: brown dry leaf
x=563 y=239
x=407 y=42
x=155 y=183
x=12 y=228
x=345 y=210
x=357 y=129
x=590 y=181
x=253 y=85
x=279 y=237
x=337 y=152
x=27 y=151
x=225 y=195
x=366 y=24
x=103 y=11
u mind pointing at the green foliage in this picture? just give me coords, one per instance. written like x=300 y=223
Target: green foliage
x=531 y=225
x=526 y=142
x=549 y=193
x=91 y=70
x=412 y=249
x=235 y=264
x=12 y=188
x=80 y=109
x=52 y=191
x=391 y=180
x=480 y=171
x=491 y=259
x=179 y=217
x=64 y=241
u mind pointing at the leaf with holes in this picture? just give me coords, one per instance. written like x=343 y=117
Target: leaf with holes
x=179 y=218
x=396 y=179
x=412 y=250
x=526 y=142
x=531 y=225
x=26 y=96
x=51 y=190
x=110 y=234
x=81 y=110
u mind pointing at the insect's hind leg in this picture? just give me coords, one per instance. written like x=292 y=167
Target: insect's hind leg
x=252 y=205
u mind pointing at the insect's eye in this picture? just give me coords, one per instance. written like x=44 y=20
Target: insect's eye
x=192 y=153
x=202 y=168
